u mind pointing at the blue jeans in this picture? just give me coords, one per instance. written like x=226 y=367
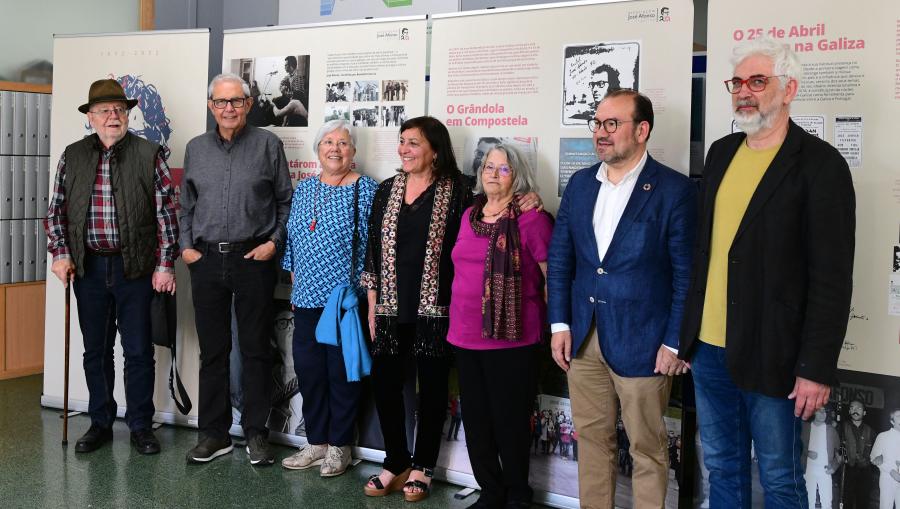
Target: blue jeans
x=730 y=418
x=107 y=303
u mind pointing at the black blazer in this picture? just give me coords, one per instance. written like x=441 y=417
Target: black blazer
x=790 y=266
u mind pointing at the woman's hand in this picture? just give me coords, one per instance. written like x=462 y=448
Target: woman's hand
x=530 y=201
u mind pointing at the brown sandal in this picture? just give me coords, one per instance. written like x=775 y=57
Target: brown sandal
x=380 y=490
x=424 y=488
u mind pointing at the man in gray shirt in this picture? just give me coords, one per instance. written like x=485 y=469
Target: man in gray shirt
x=235 y=201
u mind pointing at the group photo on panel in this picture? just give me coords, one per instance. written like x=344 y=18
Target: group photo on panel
x=455 y=271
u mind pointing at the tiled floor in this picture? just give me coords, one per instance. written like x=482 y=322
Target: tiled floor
x=36 y=471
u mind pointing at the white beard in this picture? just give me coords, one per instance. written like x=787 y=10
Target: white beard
x=752 y=123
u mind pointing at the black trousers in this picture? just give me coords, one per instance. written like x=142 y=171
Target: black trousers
x=216 y=280
x=330 y=402
x=388 y=373
x=857 y=486
x=497 y=391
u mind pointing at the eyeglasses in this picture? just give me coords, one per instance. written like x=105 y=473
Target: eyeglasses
x=116 y=110
x=237 y=102
x=503 y=169
x=609 y=124
x=754 y=83
x=342 y=144
x=598 y=83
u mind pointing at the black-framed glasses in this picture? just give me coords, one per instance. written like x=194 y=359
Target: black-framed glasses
x=754 y=83
x=598 y=83
x=237 y=102
x=609 y=124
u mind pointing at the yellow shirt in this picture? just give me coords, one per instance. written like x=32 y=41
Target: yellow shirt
x=738 y=185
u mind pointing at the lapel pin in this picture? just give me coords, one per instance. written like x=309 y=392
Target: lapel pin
x=647 y=187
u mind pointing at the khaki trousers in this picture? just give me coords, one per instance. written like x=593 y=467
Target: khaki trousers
x=594 y=391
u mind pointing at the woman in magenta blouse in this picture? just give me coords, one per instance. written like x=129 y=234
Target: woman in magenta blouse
x=497 y=318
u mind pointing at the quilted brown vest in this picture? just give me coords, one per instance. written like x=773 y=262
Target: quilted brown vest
x=132 y=173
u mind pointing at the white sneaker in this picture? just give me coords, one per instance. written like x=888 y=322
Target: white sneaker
x=337 y=459
x=308 y=456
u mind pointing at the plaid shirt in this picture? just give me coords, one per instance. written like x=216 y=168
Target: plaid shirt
x=102 y=223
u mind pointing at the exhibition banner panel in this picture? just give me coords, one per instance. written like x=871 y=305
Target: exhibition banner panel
x=850 y=97
x=370 y=72
x=166 y=71
x=533 y=76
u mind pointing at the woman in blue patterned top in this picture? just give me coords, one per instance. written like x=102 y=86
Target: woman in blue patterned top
x=318 y=255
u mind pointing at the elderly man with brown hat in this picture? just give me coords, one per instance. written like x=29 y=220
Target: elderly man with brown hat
x=112 y=231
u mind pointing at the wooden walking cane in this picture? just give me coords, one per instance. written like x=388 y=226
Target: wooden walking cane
x=65 y=437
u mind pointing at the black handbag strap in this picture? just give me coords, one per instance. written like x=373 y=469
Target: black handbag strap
x=355 y=244
x=184 y=405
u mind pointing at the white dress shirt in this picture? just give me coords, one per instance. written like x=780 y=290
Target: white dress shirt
x=608 y=210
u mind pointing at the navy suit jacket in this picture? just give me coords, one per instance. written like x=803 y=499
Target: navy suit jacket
x=636 y=293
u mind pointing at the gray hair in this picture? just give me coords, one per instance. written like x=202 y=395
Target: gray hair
x=785 y=63
x=226 y=77
x=524 y=180
x=334 y=125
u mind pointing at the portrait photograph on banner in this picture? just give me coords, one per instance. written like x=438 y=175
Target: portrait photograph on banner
x=591 y=71
x=279 y=87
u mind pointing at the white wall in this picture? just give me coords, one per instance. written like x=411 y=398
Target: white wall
x=27 y=26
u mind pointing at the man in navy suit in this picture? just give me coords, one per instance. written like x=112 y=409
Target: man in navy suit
x=618 y=273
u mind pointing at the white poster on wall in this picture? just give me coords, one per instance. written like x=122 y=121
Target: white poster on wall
x=850 y=77
x=171 y=110
x=371 y=73
x=537 y=74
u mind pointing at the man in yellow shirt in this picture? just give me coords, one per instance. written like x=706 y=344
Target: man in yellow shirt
x=767 y=310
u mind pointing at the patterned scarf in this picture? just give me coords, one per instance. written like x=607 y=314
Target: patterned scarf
x=428 y=297
x=501 y=302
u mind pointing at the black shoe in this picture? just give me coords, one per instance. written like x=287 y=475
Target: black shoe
x=209 y=448
x=144 y=441
x=93 y=439
x=259 y=450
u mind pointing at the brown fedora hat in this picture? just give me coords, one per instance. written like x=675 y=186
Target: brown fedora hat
x=106 y=91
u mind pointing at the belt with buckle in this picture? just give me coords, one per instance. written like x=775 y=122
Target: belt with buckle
x=233 y=247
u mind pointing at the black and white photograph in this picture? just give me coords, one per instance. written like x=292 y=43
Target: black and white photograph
x=392 y=116
x=365 y=91
x=476 y=147
x=394 y=90
x=851 y=448
x=338 y=91
x=589 y=72
x=365 y=117
x=336 y=111
x=279 y=87
x=896 y=267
